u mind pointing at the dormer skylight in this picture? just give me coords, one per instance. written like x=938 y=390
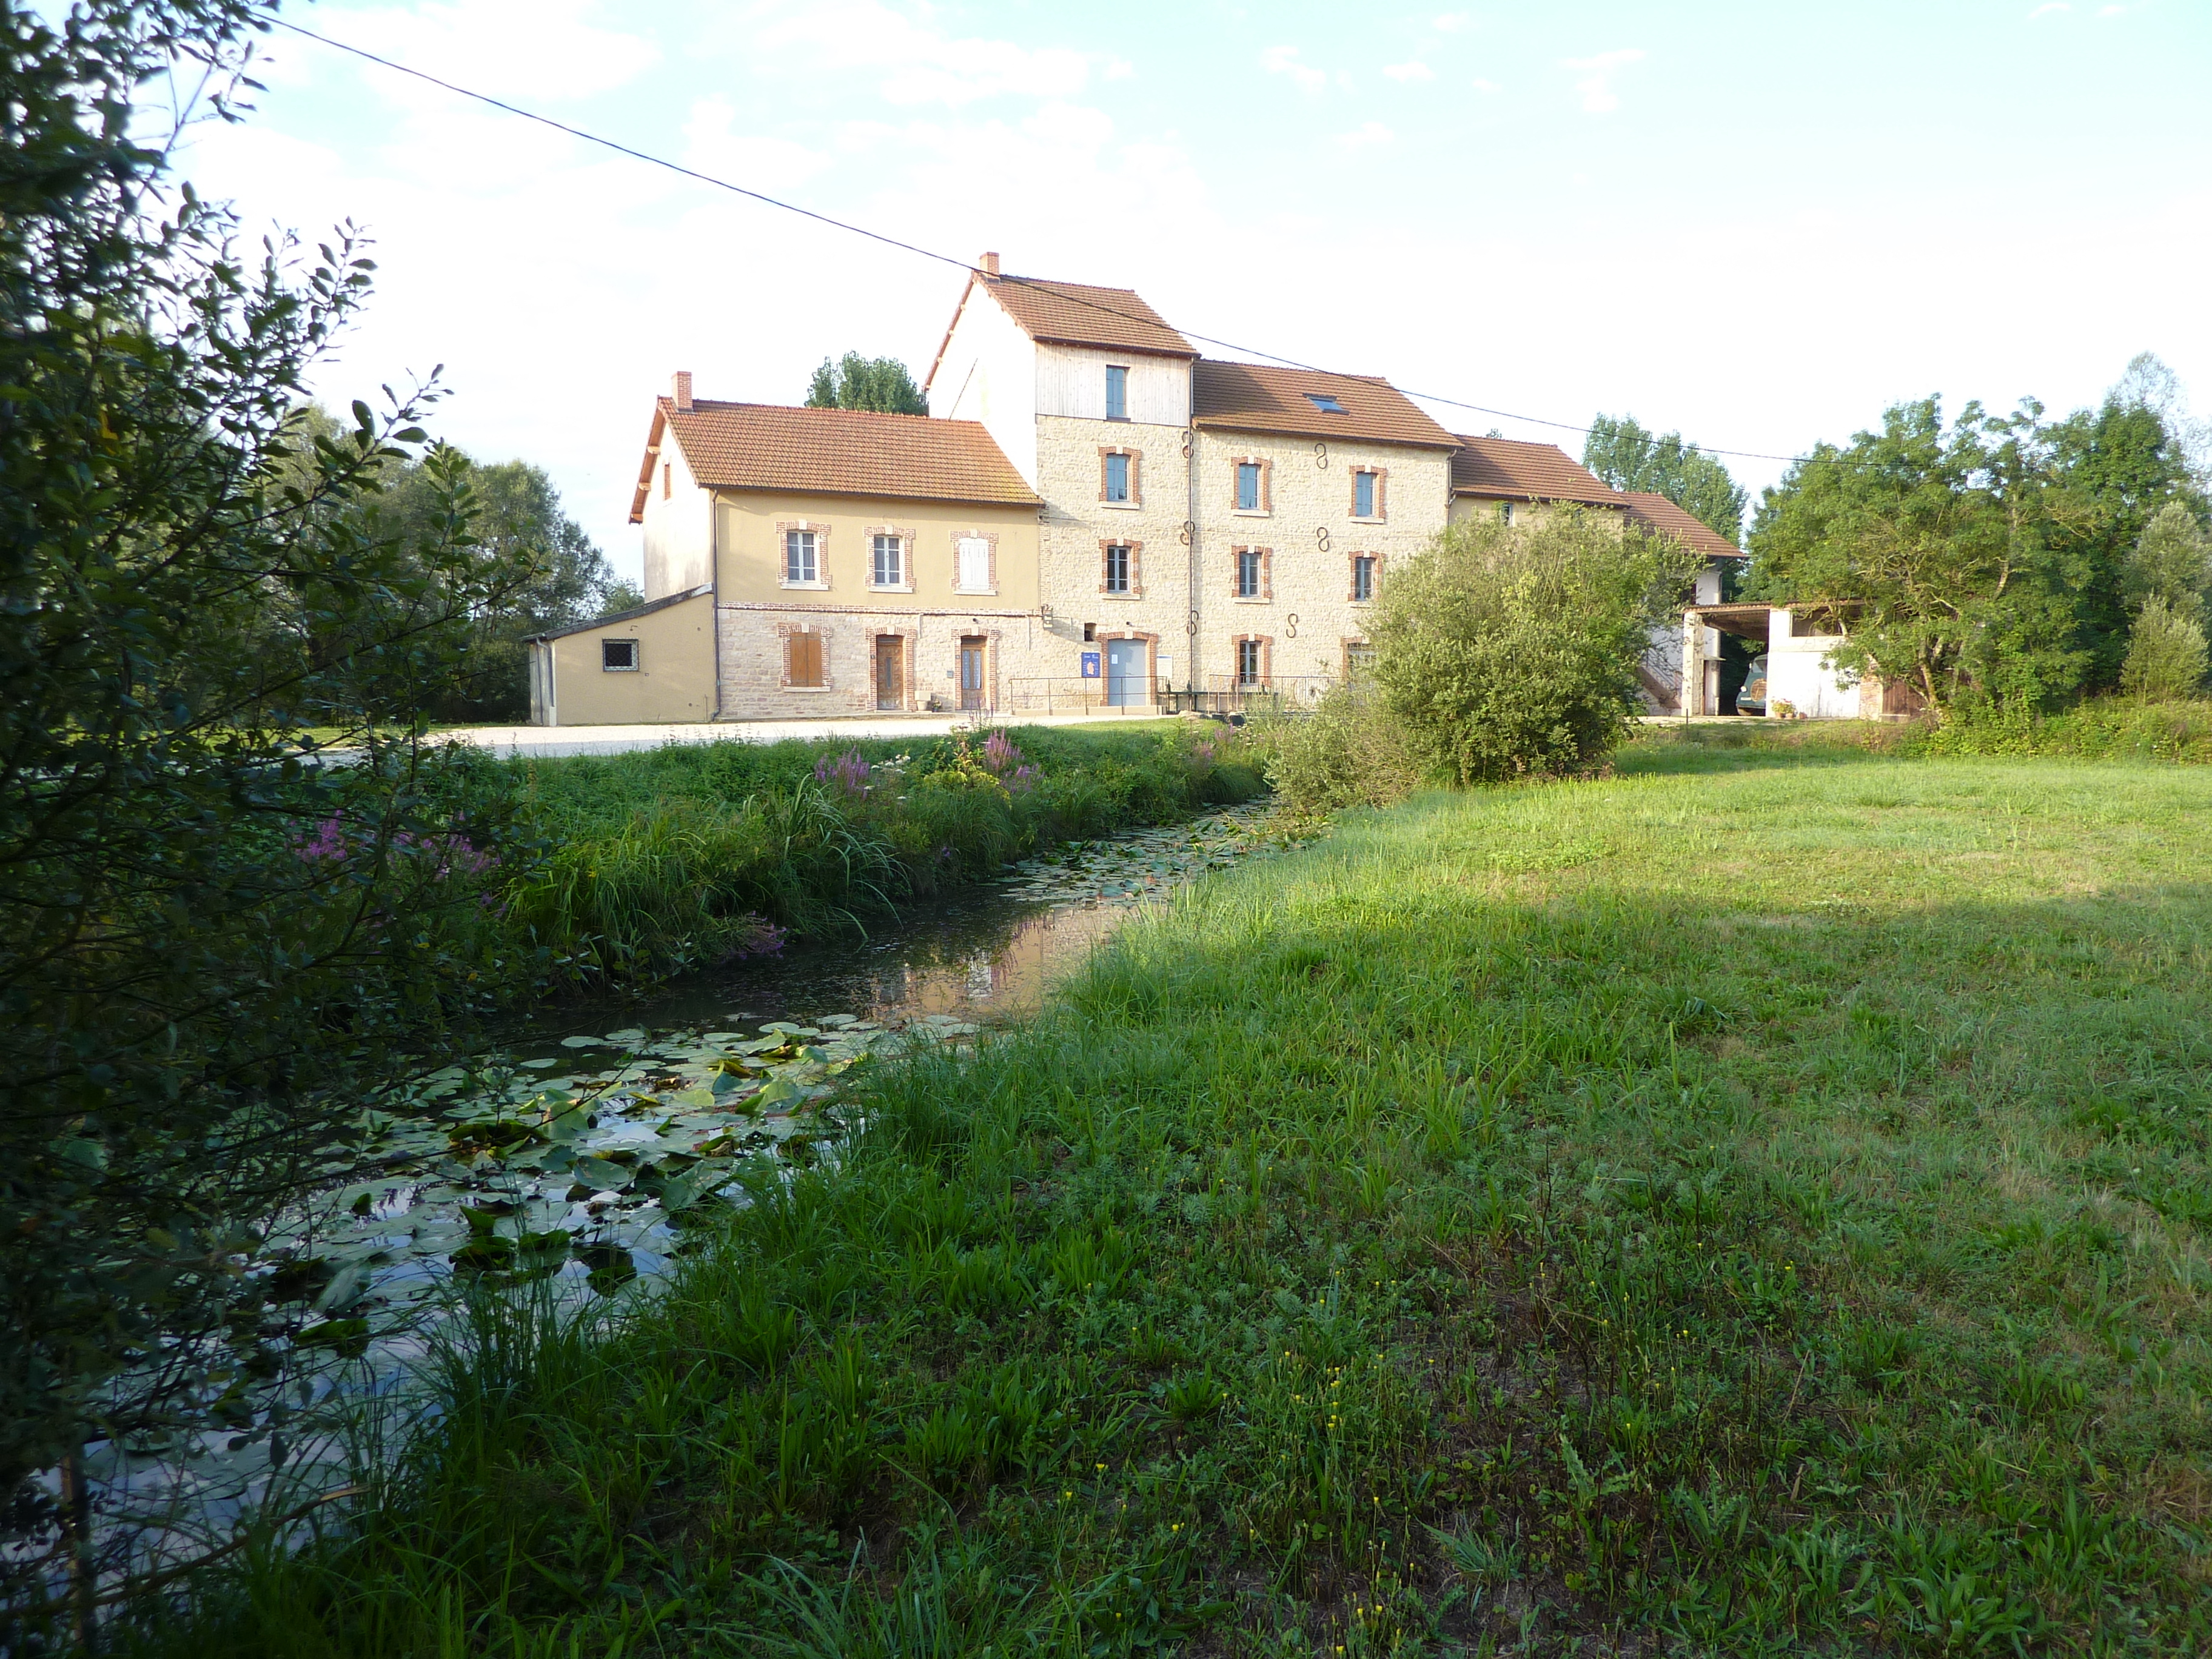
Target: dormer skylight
x=1323 y=402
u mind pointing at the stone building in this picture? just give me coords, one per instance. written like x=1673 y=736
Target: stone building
x=1091 y=516
x=810 y=561
x=1307 y=487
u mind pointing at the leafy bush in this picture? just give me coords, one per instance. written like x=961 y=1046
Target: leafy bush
x=1507 y=652
x=1349 y=752
x=204 y=944
x=2166 y=657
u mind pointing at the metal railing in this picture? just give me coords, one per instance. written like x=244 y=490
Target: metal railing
x=1223 y=695
x=1067 y=694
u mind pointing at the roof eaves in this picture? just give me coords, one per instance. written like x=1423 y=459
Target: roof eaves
x=645 y=610
x=652 y=442
x=1296 y=429
x=743 y=488
x=945 y=344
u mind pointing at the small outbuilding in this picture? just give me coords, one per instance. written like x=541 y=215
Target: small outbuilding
x=1797 y=644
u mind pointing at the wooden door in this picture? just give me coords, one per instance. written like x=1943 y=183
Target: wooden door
x=890 y=671
x=971 y=673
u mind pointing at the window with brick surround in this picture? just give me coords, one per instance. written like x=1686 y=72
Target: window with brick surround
x=1251 y=662
x=1251 y=572
x=1359 y=658
x=1363 y=577
x=1117 y=476
x=1248 y=486
x=802 y=660
x=1118 y=567
x=802 y=556
x=887 y=562
x=1117 y=392
x=1366 y=492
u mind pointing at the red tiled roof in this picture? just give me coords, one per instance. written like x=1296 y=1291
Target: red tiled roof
x=1259 y=398
x=1662 y=517
x=1075 y=313
x=1533 y=472
x=833 y=452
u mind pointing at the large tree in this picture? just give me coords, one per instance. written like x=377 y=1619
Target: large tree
x=883 y=384
x=1984 y=561
x=1622 y=453
x=520 y=525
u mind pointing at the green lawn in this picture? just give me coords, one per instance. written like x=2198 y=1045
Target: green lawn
x=1758 y=1199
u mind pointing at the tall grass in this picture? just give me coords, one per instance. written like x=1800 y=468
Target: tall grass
x=1750 y=1204
x=688 y=854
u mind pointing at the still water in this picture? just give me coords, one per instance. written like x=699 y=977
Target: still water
x=575 y=1158
x=985 y=955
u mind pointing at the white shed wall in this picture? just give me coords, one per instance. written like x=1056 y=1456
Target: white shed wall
x=1798 y=672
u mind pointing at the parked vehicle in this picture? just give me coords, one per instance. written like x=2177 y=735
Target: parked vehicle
x=1752 y=700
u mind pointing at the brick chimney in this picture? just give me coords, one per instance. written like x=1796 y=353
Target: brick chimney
x=989 y=265
x=683 y=389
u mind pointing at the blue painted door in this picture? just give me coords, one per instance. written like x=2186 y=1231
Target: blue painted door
x=1126 y=680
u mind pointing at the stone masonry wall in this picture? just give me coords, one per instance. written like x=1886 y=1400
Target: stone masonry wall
x=1310 y=536
x=752 y=643
x=1077 y=524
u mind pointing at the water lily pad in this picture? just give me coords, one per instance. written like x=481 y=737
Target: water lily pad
x=610 y=1266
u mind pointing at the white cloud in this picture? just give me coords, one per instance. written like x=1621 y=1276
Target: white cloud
x=920 y=64
x=1284 y=60
x=1481 y=85
x=1452 y=22
x=2047 y=8
x=523 y=50
x=1597 y=84
x=755 y=160
x=1409 y=71
x=2111 y=11
x=1369 y=133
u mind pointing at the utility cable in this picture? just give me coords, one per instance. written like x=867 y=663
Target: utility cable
x=1056 y=290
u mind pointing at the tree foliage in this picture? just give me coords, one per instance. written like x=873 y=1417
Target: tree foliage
x=2172 y=560
x=1627 y=457
x=2166 y=656
x=1984 y=560
x=520 y=527
x=202 y=939
x=883 y=384
x=1511 y=652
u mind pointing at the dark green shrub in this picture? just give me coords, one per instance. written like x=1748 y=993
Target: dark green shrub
x=1507 y=652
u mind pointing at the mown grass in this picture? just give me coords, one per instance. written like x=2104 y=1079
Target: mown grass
x=1756 y=1203
x=2097 y=728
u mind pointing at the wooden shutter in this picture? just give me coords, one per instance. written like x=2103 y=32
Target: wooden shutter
x=804 y=660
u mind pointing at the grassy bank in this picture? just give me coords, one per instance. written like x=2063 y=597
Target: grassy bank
x=1753 y=1204
x=669 y=857
x=2102 y=729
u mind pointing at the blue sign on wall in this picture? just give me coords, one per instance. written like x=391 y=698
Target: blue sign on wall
x=1090 y=664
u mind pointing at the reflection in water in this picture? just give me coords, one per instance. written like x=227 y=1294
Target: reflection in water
x=986 y=955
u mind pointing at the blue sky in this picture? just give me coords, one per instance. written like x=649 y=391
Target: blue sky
x=1758 y=224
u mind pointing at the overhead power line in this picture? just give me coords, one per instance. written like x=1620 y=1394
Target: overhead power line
x=1057 y=291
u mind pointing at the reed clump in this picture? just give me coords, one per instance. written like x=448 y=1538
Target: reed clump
x=685 y=855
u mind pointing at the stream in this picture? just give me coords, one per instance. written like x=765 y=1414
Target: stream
x=596 y=1147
